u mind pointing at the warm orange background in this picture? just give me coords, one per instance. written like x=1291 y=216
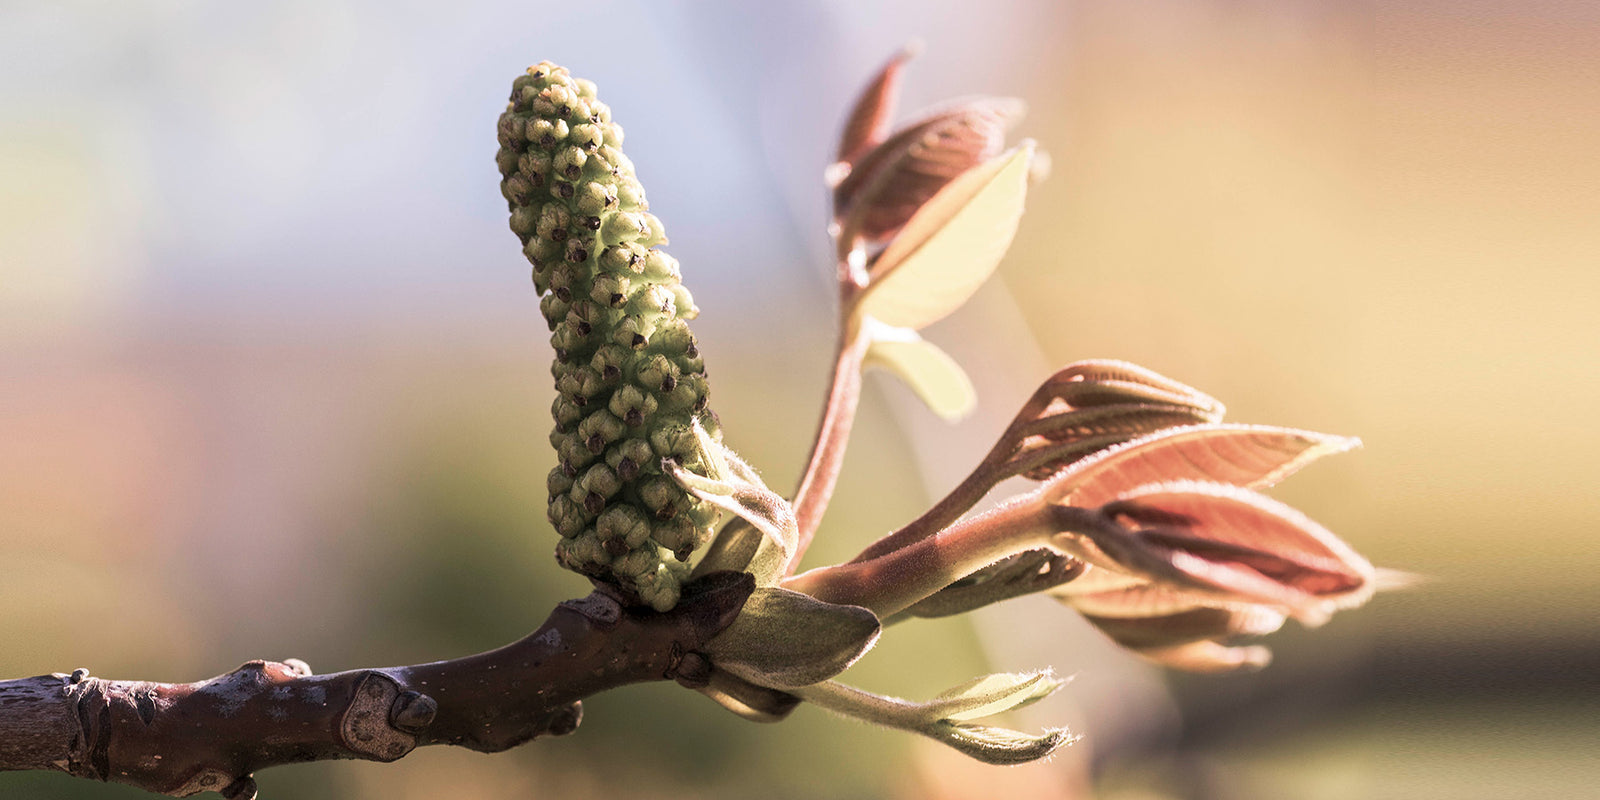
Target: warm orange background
x=273 y=383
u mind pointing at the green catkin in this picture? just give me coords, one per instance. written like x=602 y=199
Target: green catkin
x=628 y=374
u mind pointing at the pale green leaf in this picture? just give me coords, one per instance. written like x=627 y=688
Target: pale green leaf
x=785 y=639
x=731 y=549
x=752 y=702
x=1000 y=745
x=992 y=694
x=930 y=372
x=735 y=487
x=950 y=246
x=993 y=745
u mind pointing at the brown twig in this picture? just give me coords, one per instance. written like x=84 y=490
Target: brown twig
x=184 y=738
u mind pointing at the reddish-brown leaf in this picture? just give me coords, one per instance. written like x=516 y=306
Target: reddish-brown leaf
x=1088 y=406
x=1208 y=656
x=868 y=124
x=1235 y=545
x=1194 y=625
x=1240 y=455
x=888 y=183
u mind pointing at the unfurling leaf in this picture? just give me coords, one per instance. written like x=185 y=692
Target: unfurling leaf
x=1088 y=406
x=1085 y=408
x=733 y=486
x=1184 y=627
x=732 y=548
x=991 y=745
x=1000 y=745
x=1209 y=656
x=1021 y=574
x=950 y=246
x=930 y=372
x=886 y=186
x=870 y=117
x=992 y=694
x=784 y=639
x=1251 y=456
x=1229 y=544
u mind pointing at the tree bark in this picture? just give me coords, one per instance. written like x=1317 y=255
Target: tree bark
x=181 y=739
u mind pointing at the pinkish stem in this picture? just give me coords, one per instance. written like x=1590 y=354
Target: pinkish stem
x=892 y=582
x=833 y=435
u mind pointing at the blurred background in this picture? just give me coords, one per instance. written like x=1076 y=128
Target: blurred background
x=273 y=382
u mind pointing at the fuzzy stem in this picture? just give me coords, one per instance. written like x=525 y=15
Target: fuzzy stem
x=990 y=470
x=883 y=710
x=948 y=510
x=892 y=582
x=833 y=434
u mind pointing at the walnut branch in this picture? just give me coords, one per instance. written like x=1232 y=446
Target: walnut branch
x=180 y=739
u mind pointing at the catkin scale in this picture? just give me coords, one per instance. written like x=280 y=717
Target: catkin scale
x=628 y=374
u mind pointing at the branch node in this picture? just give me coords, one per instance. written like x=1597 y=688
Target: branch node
x=206 y=779
x=598 y=607
x=242 y=789
x=298 y=666
x=365 y=727
x=693 y=671
x=413 y=712
x=565 y=720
